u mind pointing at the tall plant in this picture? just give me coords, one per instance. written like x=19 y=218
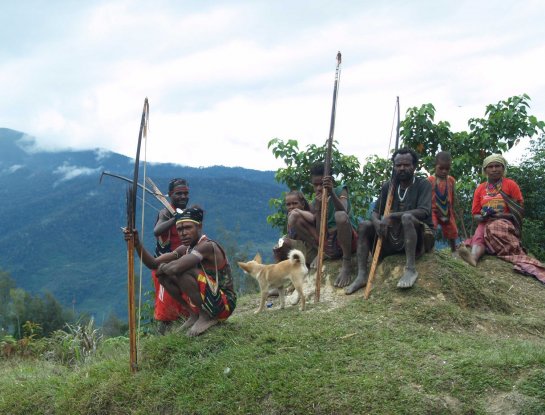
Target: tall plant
x=296 y=174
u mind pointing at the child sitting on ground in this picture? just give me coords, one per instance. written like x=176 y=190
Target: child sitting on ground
x=294 y=199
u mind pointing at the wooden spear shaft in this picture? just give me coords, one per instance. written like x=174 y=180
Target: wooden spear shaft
x=327 y=172
x=132 y=314
x=378 y=246
x=387 y=209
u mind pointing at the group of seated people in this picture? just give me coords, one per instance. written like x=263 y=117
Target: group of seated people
x=419 y=208
x=192 y=273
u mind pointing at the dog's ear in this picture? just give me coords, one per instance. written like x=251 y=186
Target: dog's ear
x=257 y=258
x=244 y=266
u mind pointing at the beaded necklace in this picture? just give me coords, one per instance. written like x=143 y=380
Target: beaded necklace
x=441 y=199
x=402 y=198
x=492 y=189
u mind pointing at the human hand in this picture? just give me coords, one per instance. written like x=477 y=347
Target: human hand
x=327 y=183
x=127 y=235
x=381 y=226
x=160 y=270
x=165 y=215
x=487 y=212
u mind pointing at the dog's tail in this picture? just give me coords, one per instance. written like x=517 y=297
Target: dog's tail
x=297 y=257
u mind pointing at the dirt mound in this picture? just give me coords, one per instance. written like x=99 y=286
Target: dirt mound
x=448 y=291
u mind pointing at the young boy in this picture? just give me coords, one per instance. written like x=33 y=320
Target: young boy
x=341 y=238
x=442 y=199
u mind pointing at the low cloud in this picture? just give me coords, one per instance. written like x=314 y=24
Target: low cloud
x=69 y=172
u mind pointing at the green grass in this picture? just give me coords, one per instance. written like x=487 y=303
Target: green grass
x=463 y=341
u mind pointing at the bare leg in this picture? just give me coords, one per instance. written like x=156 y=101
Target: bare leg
x=303 y=224
x=410 y=275
x=192 y=319
x=203 y=323
x=452 y=243
x=344 y=237
x=366 y=232
x=477 y=251
x=164 y=327
x=186 y=283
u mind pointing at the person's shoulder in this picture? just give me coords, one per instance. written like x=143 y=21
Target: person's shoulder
x=431 y=178
x=510 y=182
x=341 y=187
x=422 y=182
x=510 y=185
x=451 y=179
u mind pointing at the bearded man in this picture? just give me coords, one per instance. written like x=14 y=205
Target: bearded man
x=408 y=227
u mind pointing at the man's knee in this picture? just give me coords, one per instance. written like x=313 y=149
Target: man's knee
x=295 y=219
x=341 y=218
x=365 y=228
x=366 y=232
x=408 y=219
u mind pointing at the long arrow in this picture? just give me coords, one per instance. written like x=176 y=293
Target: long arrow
x=327 y=172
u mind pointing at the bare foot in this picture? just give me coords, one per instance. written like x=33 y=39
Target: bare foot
x=359 y=282
x=466 y=255
x=408 y=279
x=203 y=323
x=192 y=319
x=345 y=274
x=164 y=327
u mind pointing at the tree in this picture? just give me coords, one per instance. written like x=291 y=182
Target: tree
x=505 y=124
x=296 y=175
x=6 y=284
x=529 y=175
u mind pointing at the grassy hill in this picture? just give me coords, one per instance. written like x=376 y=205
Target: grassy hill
x=462 y=341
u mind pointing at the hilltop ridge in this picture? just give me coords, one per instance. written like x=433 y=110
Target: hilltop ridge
x=463 y=340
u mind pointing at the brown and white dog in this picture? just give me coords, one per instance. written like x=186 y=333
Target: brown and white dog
x=277 y=275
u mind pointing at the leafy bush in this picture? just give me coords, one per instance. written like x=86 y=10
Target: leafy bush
x=75 y=345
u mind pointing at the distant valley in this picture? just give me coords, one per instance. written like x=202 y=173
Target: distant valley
x=60 y=228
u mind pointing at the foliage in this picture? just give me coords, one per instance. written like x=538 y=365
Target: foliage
x=113 y=326
x=506 y=122
x=296 y=175
x=18 y=308
x=376 y=171
x=76 y=345
x=530 y=175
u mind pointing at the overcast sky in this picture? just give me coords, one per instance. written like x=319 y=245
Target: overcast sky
x=225 y=77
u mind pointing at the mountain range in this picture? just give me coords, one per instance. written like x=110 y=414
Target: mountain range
x=60 y=226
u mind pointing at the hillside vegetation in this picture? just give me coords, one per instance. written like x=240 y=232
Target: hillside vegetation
x=463 y=341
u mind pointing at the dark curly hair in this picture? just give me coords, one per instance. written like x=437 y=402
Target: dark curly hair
x=318 y=168
x=406 y=150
